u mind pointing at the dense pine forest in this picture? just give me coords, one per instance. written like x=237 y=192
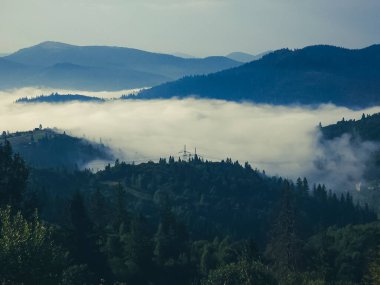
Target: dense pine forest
x=363 y=131
x=179 y=222
x=367 y=128
x=59 y=98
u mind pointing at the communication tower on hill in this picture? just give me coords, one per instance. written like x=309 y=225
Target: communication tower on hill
x=186 y=155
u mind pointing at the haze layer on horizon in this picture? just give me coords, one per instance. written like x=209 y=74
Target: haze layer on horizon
x=196 y=27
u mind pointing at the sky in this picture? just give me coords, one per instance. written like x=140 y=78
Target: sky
x=195 y=27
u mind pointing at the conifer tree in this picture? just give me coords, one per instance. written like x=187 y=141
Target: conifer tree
x=82 y=238
x=284 y=247
x=13 y=176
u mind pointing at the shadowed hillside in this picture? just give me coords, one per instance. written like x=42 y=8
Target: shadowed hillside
x=359 y=132
x=59 y=65
x=312 y=75
x=45 y=148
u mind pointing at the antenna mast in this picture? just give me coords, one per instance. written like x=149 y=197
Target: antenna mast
x=186 y=155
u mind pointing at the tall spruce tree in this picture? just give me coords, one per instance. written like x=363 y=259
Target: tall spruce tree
x=284 y=246
x=83 y=240
x=13 y=176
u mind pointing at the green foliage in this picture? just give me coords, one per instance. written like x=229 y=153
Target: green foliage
x=241 y=273
x=129 y=253
x=171 y=238
x=118 y=225
x=27 y=252
x=373 y=269
x=374 y=273
x=13 y=176
x=44 y=148
x=284 y=248
x=83 y=240
x=344 y=254
x=76 y=275
x=224 y=197
x=172 y=248
x=98 y=210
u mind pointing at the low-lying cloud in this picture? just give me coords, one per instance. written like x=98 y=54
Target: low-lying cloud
x=281 y=140
x=342 y=162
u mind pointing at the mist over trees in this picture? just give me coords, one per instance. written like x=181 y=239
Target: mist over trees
x=52 y=148
x=357 y=133
x=176 y=221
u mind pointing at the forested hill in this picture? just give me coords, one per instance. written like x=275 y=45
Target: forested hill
x=366 y=129
x=59 y=98
x=362 y=138
x=48 y=148
x=312 y=75
x=178 y=222
x=210 y=198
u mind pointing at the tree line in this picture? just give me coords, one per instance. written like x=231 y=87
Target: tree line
x=179 y=222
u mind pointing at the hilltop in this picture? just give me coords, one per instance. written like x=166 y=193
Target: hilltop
x=59 y=98
x=60 y=65
x=312 y=75
x=46 y=148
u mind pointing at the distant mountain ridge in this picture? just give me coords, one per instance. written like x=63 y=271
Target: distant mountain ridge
x=60 y=98
x=312 y=75
x=245 y=57
x=60 y=65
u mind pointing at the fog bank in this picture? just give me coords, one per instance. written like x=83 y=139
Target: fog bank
x=280 y=140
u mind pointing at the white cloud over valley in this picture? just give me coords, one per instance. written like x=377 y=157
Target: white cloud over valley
x=280 y=140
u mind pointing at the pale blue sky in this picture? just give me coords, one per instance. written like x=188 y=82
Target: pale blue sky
x=197 y=27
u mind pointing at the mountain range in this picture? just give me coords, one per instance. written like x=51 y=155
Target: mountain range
x=59 y=65
x=245 y=57
x=312 y=75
